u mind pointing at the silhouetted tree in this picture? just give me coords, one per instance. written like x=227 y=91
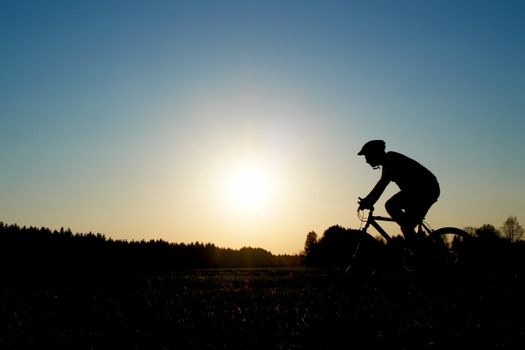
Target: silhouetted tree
x=512 y=229
x=311 y=242
x=488 y=250
x=487 y=232
x=338 y=246
x=311 y=246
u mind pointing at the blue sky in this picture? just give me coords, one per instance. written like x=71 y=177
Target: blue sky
x=126 y=117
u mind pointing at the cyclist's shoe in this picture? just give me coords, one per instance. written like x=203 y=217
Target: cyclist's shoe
x=418 y=242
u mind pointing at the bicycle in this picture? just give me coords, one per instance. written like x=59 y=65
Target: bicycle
x=442 y=242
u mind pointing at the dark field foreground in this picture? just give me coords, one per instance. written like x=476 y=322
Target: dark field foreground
x=263 y=309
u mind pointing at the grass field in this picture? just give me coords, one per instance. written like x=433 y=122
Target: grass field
x=263 y=308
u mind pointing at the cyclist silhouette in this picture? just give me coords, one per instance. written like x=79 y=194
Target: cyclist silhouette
x=419 y=187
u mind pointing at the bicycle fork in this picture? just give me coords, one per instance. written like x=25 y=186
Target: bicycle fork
x=354 y=255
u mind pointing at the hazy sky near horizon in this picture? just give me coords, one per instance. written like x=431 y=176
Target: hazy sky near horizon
x=238 y=122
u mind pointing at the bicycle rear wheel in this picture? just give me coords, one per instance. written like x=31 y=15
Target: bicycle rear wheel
x=448 y=243
x=449 y=234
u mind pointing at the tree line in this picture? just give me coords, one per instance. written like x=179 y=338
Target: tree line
x=32 y=248
x=36 y=249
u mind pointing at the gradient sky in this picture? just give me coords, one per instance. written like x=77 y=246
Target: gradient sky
x=131 y=118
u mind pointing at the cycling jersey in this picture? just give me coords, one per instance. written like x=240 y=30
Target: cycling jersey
x=409 y=175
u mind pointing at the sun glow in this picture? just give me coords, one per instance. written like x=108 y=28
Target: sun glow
x=249 y=188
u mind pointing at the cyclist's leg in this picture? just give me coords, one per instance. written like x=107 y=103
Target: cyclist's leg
x=399 y=208
x=395 y=205
x=418 y=206
x=408 y=210
x=415 y=213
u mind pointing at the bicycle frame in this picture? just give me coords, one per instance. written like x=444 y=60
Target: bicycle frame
x=423 y=229
x=372 y=220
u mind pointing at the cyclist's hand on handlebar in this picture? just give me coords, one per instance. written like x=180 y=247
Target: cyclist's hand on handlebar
x=364 y=204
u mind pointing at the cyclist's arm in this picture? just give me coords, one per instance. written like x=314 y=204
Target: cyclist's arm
x=376 y=192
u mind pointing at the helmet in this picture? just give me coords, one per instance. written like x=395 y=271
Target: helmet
x=374 y=146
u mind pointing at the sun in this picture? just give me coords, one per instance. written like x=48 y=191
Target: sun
x=249 y=188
